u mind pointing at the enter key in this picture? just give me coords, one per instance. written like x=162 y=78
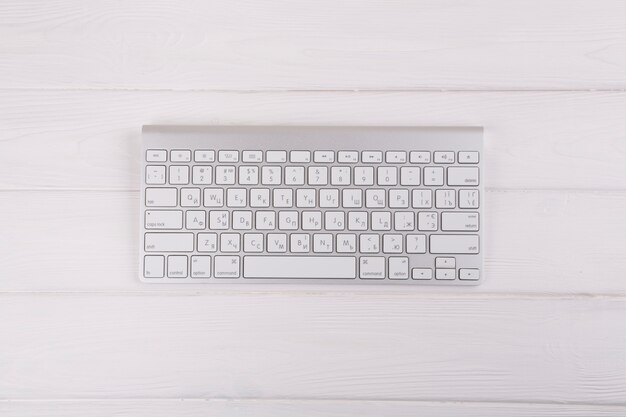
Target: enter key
x=460 y=221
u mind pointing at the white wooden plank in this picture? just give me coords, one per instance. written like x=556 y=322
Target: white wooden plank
x=90 y=140
x=326 y=44
x=314 y=346
x=301 y=408
x=539 y=242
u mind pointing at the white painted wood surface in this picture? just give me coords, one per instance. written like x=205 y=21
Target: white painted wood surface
x=544 y=336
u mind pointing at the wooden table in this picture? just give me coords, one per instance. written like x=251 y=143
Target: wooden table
x=544 y=335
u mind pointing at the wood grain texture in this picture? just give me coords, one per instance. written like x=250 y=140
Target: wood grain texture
x=300 y=408
x=90 y=140
x=541 y=242
x=315 y=346
x=302 y=45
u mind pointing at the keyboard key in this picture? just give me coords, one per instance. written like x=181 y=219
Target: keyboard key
x=294 y=175
x=213 y=197
x=445 y=262
x=340 y=176
x=242 y=220
x=179 y=174
x=252 y=156
x=454 y=244
x=445 y=274
x=463 y=176
x=369 y=243
x=422 y=273
x=276 y=156
x=445 y=199
x=311 y=220
x=392 y=243
x=228 y=156
x=153 y=266
x=180 y=155
x=168 y=242
x=327 y=267
x=300 y=156
x=156 y=155
x=200 y=266
x=459 y=221
x=399 y=198
x=283 y=197
x=372 y=267
x=433 y=176
x=427 y=221
x=265 y=220
x=201 y=175
x=318 y=175
x=271 y=175
x=177 y=266
x=444 y=157
x=322 y=243
x=372 y=157
x=155 y=174
x=346 y=243
x=364 y=175
x=398 y=267
x=219 y=220
x=207 y=242
x=229 y=242
x=395 y=157
x=419 y=157
x=466 y=157
x=161 y=197
x=468 y=199
x=469 y=274
x=277 y=242
x=225 y=175
x=404 y=221
x=204 y=155
x=422 y=199
x=323 y=157
x=300 y=243
x=226 y=267
x=253 y=242
x=190 y=197
x=410 y=176
x=164 y=219
x=236 y=197
x=348 y=157
x=195 y=219
x=416 y=243
x=329 y=198
x=248 y=175
x=387 y=176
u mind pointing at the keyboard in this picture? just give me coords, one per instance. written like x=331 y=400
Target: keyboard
x=335 y=205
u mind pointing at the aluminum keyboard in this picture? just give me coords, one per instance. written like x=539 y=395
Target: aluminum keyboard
x=348 y=205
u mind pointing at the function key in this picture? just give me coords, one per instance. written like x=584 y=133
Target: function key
x=321 y=157
x=156 y=155
x=395 y=157
x=468 y=157
x=300 y=156
x=252 y=156
x=446 y=157
x=228 y=156
x=372 y=157
x=419 y=157
x=348 y=157
x=204 y=155
x=276 y=156
x=180 y=155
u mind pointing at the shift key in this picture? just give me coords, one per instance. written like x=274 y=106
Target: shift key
x=168 y=242
x=454 y=244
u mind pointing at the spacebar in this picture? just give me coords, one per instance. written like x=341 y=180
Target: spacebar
x=329 y=267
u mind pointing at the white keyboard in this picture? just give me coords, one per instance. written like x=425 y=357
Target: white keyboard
x=348 y=205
